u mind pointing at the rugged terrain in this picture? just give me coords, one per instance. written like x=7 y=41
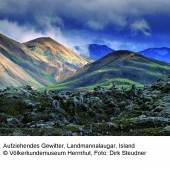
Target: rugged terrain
x=97 y=112
x=47 y=89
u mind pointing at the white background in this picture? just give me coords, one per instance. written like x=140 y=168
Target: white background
x=157 y=158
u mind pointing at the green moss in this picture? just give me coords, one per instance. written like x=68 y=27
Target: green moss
x=73 y=127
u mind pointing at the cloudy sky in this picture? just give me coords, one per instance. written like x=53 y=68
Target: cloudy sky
x=121 y=24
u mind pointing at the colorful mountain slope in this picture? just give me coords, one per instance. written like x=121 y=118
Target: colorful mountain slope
x=13 y=75
x=161 y=54
x=65 y=61
x=121 y=67
x=43 y=69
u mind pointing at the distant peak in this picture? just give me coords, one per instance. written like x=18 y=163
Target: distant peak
x=103 y=45
x=157 y=48
x=164 y=48
x=99 y=46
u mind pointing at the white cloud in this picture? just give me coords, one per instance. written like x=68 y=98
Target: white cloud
x=141 y=26
x=18 y=32
x=23 y=33
x=116 y=45
x=96 y=25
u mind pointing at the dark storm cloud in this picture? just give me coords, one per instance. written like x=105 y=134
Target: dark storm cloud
x=137 y=20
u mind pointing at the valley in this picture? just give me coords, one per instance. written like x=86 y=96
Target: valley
x=47 y=89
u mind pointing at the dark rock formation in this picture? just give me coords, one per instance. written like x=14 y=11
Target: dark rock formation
x=100 y=111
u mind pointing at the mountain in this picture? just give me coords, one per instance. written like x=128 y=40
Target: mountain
x=64 y=61
x=21 y=65
x=122 y=68
x=94 y=51
x=161 y=54
x=13 y=75
x=97 y=51
x=18 y=64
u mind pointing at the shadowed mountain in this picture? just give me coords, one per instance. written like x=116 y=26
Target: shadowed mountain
x=95 y=51
x=122 y=68
x=20 y=65
x=161 y=54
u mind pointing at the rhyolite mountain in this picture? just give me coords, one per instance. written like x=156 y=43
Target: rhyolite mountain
x=39 y=63
x=121 y=68
x=12 y=74
x=18 y=65
x=43 y=62
x=95 y=51
x=64 y=61
x=161 y=54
